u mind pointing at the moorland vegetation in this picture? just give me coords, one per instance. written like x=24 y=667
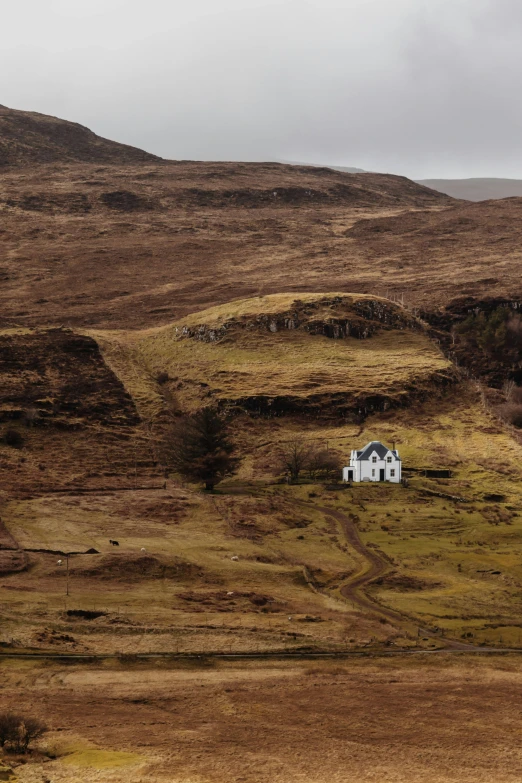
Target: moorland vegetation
x=170 y=325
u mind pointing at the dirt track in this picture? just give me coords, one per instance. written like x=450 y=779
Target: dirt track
x=374 y=565
x=377 y=567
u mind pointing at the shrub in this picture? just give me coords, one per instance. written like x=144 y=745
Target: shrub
x=9 y=723
x=162 y=378
x=516 y=395
x=324 y=463
x=512 y=412
x=17 y=732
x=297 y=456
x=14 y=438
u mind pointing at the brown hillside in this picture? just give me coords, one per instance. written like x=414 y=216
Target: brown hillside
x=29 y=137
x=470 y=250
x=137 y=245
x=278 y=355
x=73 y=417
x=61 y=379
x=126 y=240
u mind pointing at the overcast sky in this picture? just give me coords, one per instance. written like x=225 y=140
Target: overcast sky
x=426 y=88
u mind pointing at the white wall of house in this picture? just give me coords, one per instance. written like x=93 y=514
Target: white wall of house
x=373 y=468
x=376 y=469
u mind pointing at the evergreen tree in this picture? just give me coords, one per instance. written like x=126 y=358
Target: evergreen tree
x=199 y=447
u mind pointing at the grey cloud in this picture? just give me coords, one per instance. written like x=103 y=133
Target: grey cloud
x=420 y=87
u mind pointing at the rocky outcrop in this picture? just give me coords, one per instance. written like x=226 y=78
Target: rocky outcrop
x=361 y=190
x=354 y=407
x=459 y=309
x=337 y=317
x=334 y=317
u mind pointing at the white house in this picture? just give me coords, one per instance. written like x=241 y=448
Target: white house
x=375 y=462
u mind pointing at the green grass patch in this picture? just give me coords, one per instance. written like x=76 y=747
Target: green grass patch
x=101 y=759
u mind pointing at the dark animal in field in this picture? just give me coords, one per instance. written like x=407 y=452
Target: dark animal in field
x=114 y=543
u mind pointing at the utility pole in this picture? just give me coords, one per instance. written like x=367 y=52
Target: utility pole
x=60 y=563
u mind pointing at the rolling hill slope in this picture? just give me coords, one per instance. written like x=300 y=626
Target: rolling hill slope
x=27 y=138
x=136 y=245
x=316 y=355
x=96 y=234
x=134 y=290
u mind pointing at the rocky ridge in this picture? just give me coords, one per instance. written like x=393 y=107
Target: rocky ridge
x=360 y=319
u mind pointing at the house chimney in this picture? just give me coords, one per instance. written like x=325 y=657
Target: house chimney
x=393 y=445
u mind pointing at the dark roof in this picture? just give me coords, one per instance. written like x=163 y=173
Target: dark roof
x=377 y=447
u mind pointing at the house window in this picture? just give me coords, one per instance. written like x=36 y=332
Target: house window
x=392 y=473
x=388 y=459
x=374 y=459
x=373 y=472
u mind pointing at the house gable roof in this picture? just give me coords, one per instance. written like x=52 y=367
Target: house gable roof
x=375 y=447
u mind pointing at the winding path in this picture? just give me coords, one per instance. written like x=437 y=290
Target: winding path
x=374 y=566
x=377 y=566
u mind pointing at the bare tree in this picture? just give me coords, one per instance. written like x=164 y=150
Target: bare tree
x=512 y=413
x=324 y=463
x=29 y=730
x=294 y=458
x=17 y=732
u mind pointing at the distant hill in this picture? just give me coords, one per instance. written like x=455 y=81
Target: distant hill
x=28 y=137
x=477 y=188
x=346 y=169
x=474 y=189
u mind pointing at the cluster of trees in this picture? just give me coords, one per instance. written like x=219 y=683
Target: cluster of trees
x=497 y=334
x=18 y=732
x=298 y=457
x=200 y=448
x=497 y=337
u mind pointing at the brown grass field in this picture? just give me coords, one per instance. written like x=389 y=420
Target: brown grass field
x=450 y=720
